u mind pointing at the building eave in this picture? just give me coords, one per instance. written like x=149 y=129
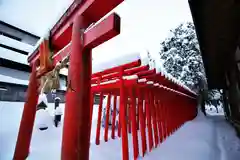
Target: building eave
x=217 y=27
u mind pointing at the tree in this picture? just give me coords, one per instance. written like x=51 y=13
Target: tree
x=182 y=58
x=215 y=98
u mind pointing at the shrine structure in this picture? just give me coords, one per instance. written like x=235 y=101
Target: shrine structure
x=148 y=99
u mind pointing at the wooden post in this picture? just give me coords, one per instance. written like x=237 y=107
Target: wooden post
x=153 y=113
x=108 y=108
x=99 y=119
x=160 y=131
x=142 y=122
x=134 y=123
x=28 y=117
x=129 y=115
x=125 y=153
x=114 y=116
x=149 y=122
x=76 y=128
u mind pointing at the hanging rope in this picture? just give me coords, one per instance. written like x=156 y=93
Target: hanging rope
x=51 y=80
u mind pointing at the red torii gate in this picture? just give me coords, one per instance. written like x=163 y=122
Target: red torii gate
x=158 y=94
x=68 y=36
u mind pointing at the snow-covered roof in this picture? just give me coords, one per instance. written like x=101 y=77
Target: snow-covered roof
x=15 y=44
x=176 y=81
x=160 y=69
x=13 y=76
x=13 y=56
x=110 y=63
x=143 y=56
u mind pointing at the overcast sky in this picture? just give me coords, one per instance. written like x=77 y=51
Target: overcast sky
x=144 y=23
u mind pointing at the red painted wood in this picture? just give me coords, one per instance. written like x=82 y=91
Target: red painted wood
x=134 y=123
x=76 y=128
x=89 y=9
x=155 y=128
x=91 y=110
x=167 y=119
x=142 y=123
x=163 y=115
x=135 y=70
x=143 y=74
x=160 y=131
x=119 y=125
x=160 y=120
x=149 y=121
x=107 y=117
x=61 y=33
x=114 y=116
x=125 y=154
x=129 y=115
x=177 y=119
x=170 y=112
x=158 y=104
x=28 y=117
x=99 y=119
x=105 y=30
x=115 y=74
x=117 y=68
x=137 y=117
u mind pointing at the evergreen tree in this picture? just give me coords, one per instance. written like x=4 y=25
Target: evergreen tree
x=182 y=58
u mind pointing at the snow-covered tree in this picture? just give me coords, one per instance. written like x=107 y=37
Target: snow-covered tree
x=182 y=58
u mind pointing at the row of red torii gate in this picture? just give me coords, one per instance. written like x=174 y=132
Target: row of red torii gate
x=150 y=103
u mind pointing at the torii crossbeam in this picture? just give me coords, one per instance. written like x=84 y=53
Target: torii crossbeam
x=68 y=36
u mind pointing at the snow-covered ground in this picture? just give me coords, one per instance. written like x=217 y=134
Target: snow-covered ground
x=212 y=110
x=201 y=139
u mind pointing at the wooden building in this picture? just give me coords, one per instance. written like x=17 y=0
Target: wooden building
x=217 y=25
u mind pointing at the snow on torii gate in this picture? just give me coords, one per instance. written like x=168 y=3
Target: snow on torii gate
x=133 y=82
x=68 y=35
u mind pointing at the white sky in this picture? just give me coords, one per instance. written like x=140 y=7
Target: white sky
x=144 y=23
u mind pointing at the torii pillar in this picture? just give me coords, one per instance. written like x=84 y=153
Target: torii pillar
x=28 y=117
x=77 y=121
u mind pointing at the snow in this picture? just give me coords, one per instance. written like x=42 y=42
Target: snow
x=42 y=98
x=45 y=119
x=203 y=138
x=98 y=66
x=211 y=110
x=185 y=41
x=158 y=64
x=110 y=63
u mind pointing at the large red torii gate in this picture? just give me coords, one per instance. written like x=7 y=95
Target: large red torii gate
x=68 y=36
